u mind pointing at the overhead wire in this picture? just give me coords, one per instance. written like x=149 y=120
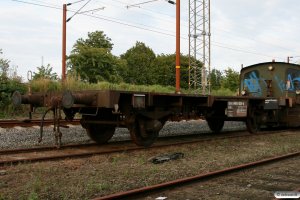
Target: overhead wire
x=142 y=28
x=114 y=20
x=217 y=44
x=137 y=4
x=148 y=13
x=77 y=1
x=186 y=25
x=110 y=19
x=129 y=25
x=232 y=48
x=135 y=24
x=186 y=21
x=242 y=38
x=92 y=10
x=78 y=10
x=37 y=4
x=156 y=12
x=39 y=1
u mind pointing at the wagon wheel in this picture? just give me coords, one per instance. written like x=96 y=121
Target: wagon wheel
x=215 y=125
x=140 y=135
x=100 y=133
x=253 y=120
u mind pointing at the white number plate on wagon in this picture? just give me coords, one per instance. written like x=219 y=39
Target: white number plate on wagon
x=237 y=108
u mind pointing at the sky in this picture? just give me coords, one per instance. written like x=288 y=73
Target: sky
x=242 y=31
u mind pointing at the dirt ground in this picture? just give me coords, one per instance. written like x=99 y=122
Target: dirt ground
x=256 y=183
x=100 y=175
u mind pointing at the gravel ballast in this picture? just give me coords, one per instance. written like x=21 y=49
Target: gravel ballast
x=20 y=137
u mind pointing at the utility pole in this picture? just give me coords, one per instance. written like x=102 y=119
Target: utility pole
x=177 y=46
x=64 y=39
x=199 y=45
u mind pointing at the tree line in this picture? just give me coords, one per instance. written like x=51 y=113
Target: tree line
x=91 y=60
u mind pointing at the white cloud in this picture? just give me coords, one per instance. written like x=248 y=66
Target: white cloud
x=28 y=32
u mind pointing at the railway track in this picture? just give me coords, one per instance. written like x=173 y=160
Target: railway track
x=33 y=122
x=140 y=192
x=47 y=153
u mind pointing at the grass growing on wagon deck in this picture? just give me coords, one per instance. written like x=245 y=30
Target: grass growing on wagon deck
x=46 y=85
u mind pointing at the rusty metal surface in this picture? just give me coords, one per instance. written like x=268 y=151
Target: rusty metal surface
x=91 y=98
x=196 y=178
x=70 y=98
x=36 y=99
x=108 y=98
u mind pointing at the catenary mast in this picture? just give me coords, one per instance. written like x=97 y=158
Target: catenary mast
x=199 y=45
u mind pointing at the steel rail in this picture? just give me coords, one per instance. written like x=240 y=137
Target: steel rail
x=199 y=177
x=109 y=148
x=35 y=122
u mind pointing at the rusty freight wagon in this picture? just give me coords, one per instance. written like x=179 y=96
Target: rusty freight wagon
x=263 y=100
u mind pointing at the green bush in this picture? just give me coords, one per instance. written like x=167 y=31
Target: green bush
x=7 y=87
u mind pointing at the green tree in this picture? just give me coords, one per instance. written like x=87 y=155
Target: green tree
x=45 y=73
x=95 y=39
x=216 y=79
x=4 y=66
x=231 y=79
x=8 y=84
x=139 y=59
x=164 y=70
x=96 y=64
x=93 y=61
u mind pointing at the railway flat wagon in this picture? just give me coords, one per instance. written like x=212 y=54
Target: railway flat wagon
x=143 y=113
x=266 y=97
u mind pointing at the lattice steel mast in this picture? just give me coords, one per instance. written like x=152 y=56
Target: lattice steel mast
x=199 y=45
